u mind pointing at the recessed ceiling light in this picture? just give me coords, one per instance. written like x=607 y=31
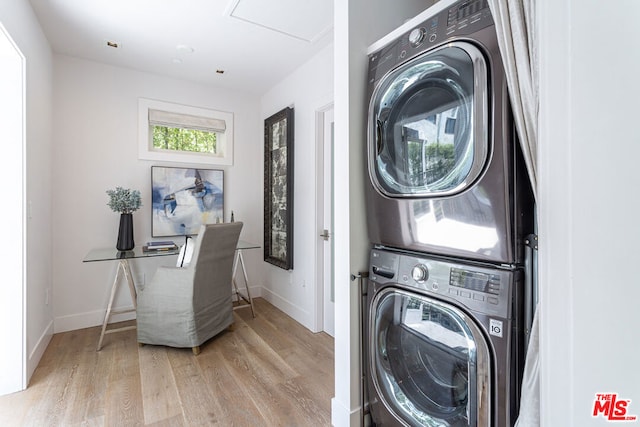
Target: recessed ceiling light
x=183 y=48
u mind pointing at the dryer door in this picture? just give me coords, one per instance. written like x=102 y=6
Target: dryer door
x=430 y=363
x=428 y=131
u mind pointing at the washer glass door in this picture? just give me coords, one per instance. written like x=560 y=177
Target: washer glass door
x=429 y=361
x=428 y=129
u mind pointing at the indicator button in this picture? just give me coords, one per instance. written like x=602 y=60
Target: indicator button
x=492 y=300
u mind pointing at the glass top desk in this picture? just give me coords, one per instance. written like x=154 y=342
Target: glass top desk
x=123 y=257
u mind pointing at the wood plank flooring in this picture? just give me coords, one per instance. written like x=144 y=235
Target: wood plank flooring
x=267 y=371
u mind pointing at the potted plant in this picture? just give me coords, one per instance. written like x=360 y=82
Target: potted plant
x=125 y=202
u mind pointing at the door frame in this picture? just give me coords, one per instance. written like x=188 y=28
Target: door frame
x=13 y=355
x=318 y=317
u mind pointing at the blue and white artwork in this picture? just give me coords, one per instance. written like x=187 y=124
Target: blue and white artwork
x=184 y=199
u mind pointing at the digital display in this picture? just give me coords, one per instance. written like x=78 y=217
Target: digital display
x=474 y=281
x=465 y=10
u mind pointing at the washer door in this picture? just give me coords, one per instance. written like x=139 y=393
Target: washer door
x=428 y=129
x=429 y=361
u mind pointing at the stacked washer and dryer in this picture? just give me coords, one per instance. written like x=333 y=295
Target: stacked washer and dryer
x=449 y=206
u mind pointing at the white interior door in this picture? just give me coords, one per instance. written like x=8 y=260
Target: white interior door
x=327 y=221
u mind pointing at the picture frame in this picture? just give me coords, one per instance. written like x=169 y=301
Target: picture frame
x=278 y=189
x=185 y=198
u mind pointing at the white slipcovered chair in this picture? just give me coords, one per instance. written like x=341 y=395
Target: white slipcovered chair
x=184 y=307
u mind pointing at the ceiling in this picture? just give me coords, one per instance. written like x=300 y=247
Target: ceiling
x=255 y=43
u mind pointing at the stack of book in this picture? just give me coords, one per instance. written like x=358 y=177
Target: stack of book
x=159 y=246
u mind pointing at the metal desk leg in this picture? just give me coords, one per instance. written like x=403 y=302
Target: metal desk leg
x=240 y=260
x=123 y=265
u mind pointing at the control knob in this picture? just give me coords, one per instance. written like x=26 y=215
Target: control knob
x=419 y=273
x=416 y=36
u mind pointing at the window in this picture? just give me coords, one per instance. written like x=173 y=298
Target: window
x=450 y=126
x=180 y=133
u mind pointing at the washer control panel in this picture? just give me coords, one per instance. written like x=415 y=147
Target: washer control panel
x=482 y=289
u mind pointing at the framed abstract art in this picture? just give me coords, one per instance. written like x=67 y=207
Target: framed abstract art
x=185 y=198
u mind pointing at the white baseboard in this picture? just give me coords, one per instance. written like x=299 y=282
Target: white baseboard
x=301 y=316
x=89 y=319
x=341 y=416
x=38 y=350
x=256 y=292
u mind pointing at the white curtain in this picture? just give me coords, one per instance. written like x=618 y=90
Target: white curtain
x=516 y=27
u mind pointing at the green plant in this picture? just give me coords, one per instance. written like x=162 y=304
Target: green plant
x=123 y=200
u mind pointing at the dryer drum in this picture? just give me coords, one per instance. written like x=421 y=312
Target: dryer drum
x=426 y=164
x=424 y=119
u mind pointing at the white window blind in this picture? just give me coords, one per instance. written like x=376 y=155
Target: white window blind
x=157 y=114
x=186 y=121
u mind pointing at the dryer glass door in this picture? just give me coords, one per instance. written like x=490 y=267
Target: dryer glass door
x=429 y=361
x=428 y=124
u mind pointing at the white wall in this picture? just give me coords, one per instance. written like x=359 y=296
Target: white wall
x=23 y=27
x=589 y=204
x=308 y=89
x=95 y=136
x=358 y=23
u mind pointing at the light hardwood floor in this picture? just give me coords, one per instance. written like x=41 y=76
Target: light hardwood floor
x=267 y=371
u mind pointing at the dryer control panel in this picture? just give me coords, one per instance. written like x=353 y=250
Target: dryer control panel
x=467 y=12
x=460 y=20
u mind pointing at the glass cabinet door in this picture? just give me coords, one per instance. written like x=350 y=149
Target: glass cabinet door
x=428 y=124
x=430 y=362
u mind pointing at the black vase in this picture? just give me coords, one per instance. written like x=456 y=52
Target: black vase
x=125 y=234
